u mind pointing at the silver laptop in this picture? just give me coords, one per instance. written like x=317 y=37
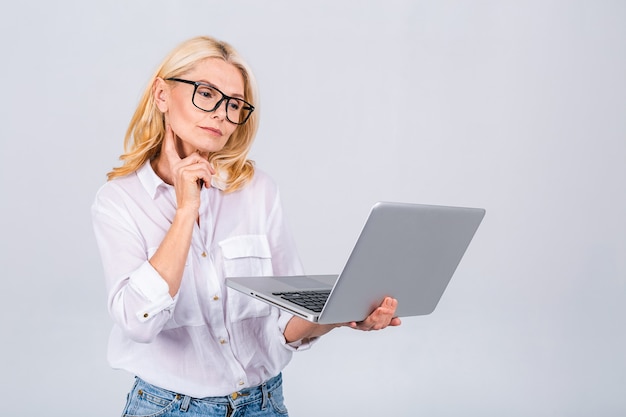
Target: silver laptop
x=406 y=251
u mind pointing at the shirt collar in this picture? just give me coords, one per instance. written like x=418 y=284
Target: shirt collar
x=150 y=181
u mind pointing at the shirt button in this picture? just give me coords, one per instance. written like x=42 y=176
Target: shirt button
x=145 y=315
x=241 y=383
x=216 y=297
x=222 y=341
x=204 y=254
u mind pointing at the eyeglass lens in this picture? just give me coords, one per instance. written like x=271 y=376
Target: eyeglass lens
x=208 y=99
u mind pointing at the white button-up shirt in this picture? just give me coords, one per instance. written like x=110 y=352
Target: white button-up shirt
x=208 y=340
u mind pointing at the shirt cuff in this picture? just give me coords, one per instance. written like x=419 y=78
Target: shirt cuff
x=298 y=345
x=147 y=282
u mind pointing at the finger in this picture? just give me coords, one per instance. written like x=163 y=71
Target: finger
x=169 y=146
x=395 y=321
x=205 y=156
x=387 y=313
x=198 y=171
x=387 y=307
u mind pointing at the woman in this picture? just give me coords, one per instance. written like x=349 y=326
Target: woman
x=185 y=210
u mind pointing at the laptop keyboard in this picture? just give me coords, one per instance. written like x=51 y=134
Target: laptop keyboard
x=313 y=300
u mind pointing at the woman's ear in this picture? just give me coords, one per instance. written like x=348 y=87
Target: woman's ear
x=160 y=92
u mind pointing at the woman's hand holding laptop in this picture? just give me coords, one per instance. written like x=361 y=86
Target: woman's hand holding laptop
x=380 y=318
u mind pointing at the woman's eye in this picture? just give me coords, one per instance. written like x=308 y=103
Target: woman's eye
x=206 y=92
x=234 y=105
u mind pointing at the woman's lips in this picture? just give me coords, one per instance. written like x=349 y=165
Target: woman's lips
x=212 y=130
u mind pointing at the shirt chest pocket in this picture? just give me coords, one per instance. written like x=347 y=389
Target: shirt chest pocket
x=245 y=256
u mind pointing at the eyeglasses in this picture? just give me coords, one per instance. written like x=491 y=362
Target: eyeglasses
x=208 y=98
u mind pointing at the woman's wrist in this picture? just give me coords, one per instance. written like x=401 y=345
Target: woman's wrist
x=298 y=329
x=186 y=214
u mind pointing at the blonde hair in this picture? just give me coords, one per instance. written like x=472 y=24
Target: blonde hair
x=146 y=130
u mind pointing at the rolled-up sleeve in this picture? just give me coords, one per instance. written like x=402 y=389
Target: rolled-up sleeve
x=298 y=345
x=152 y=291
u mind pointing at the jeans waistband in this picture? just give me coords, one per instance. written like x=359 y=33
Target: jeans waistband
x=235 y=399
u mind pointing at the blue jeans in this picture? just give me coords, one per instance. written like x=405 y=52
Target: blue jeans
x=147 y=400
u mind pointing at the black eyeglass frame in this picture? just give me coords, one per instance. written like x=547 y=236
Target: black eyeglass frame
x=197 y=84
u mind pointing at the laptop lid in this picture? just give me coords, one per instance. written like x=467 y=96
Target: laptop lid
x=406 y=251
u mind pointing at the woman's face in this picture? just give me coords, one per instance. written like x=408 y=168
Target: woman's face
x=199 y=130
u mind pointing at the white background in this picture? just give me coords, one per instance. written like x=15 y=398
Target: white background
x=515 y=106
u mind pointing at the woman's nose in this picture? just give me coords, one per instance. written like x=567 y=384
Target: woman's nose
x=220 y=111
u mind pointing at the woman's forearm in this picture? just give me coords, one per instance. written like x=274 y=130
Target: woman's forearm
x=169 y=259
x=300 y=329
